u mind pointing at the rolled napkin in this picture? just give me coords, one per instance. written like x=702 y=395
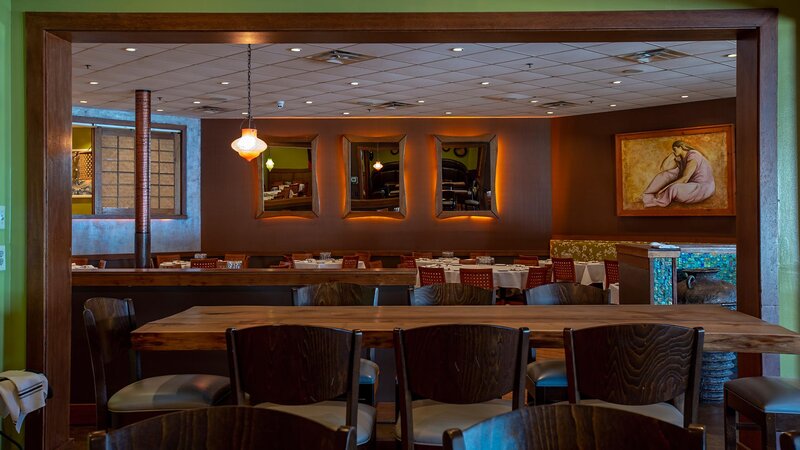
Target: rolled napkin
x=21 y=392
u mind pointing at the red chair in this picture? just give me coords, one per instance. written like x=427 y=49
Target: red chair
x=364 y=256
x=468 y=262
x=482 y=278
x=428 y=255
x=431 y=275
x=564 y=269
x=204 y=263
x=374 y=264
x=408 y=261
x=350 y=262
x=612 y=271
x=407 y=265
x=537 y=276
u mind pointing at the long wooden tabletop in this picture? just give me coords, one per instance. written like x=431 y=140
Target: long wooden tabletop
x=203 y=327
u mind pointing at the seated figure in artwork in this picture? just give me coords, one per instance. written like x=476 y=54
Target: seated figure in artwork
x=686 y=176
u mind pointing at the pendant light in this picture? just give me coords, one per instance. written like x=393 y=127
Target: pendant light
x=249 y=146
x=377 y=166
x=270 y=163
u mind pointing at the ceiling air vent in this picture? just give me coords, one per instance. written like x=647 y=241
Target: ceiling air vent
x=377 y=104
x=656 y=54
x=557 y=105
x=340 y=57
x=508 y=97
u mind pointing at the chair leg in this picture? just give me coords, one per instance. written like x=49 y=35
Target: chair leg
x=768 y=432
x=730 y=428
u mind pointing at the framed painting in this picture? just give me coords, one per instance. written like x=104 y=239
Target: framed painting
x=679 y=172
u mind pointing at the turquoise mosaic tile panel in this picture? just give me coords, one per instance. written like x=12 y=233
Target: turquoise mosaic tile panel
x=725 y=262
x=662 y=281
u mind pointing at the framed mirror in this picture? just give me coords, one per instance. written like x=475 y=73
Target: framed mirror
x=287 y=177
x=466 y=175
x=374 y=171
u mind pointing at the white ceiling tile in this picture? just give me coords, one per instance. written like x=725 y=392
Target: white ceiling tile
x=561 y=70
x=539 y=48
x=488 y=71
x=344 y=70
x=495 y=56
x=418 y=71
x=376 y=50
x=572 y=56
x=416 y=57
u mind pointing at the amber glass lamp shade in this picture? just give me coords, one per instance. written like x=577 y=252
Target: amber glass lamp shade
x=249 y=146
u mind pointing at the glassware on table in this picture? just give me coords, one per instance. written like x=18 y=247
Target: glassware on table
x=447 y=254
x=324 y=255
x=234 y=264
x=200 y=255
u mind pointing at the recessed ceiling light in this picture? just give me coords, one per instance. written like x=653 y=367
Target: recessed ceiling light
x=196 y=102
x=534 y=101
x=244 y=113
x=130 y=49
x=550 y=112
x=345 y=113
x=159 y=110
x=457 y=49
x=83 y=101
x=354 y=83
x=447 y=113
x=224 y=83
x=731 y=55
x=484 y=83
x=93 y=83
x=613 y=105
x=295 y=49
x=420 y=101
x=684 y=96
x=616 y=82
x=308 y=102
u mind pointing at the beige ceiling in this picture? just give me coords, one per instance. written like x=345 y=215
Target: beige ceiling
x=447 y=81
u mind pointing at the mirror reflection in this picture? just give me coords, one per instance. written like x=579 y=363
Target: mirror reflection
x=466 y=175
x=288 y=181
x=375 y=176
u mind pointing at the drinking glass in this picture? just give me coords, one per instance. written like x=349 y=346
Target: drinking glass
x=324 y=255
x=447 y=254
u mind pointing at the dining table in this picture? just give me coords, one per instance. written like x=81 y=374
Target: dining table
x=312 y=263
x=514 y=275
x=203 y=327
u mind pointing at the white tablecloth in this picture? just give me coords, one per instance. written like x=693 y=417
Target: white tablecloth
x=322 y=264
x=586 y=272
x=175 y=265
x=614 y=293
x=505 y=275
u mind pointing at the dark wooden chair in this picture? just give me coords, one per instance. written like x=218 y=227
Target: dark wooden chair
x=350 y=262
x=109 y=322
x=167 y=258
x=564 y=269
x=772 y=403
x=612 y=271
x=427 y=255
x=203 y=263
x=345 y=294
x=450 y=294
x=225 y=428
x=790 y=440
x=458 y=373
x=301 y=370
x=547 y=380
x=238 y=257
x=482 y=278
x=101 y=264
x=643 y=368
x=569 y=427
x=431 y=275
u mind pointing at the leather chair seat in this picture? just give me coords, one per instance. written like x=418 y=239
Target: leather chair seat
x=549 y=373
x=662 y=411
x=332 y=414
x=775 y=395
x=369 y=372
x=432 y=418
x=169 y=392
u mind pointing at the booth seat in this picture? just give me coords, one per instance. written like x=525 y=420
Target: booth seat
x=586 y=249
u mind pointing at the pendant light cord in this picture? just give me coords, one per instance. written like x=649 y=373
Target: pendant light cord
x=249 y=105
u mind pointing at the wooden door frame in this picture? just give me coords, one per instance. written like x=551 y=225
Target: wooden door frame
x=48 y=111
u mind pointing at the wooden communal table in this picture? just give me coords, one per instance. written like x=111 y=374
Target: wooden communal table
x=203 y=327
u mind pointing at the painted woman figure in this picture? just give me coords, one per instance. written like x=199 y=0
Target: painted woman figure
x=685 y=177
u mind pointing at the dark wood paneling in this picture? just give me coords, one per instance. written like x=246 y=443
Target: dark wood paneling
x=522 y=193
x=584 y=173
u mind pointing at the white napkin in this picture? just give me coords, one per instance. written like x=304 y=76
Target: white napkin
x=21 y=392
x=663 y=246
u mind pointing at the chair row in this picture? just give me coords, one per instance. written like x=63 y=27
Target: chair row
x=450 y=376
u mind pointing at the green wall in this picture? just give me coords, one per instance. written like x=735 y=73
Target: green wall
x=12 y=177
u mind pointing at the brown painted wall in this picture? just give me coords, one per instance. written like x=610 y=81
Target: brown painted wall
x=523 y=190
x=584 y=202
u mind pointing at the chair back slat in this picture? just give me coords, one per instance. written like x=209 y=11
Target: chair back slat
x=460 y=363
x=482 y=278
x=431 y=275
x=566 y=294
x=335 y=294
x=203 y=263
x=292 y=364
x=569 y=427
x=350 y=262
x=537 y=276
x=451 y=294
x=224 y=428
x=635 y=364
x=564 y=269
x=612 y=271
